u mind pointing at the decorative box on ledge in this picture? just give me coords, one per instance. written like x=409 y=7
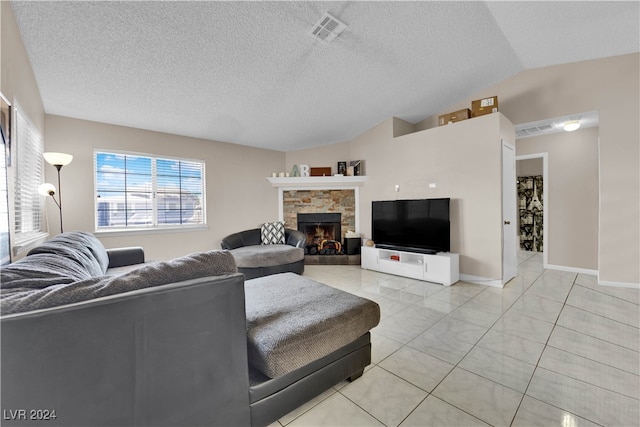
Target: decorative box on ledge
x=318 y=181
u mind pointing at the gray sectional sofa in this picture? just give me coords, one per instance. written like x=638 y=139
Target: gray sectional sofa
x=90 y=341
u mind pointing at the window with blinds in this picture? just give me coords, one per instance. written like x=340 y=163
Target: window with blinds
x=29 y=205
x=141 y=191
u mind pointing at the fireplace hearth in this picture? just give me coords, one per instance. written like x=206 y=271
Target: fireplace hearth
x=323 y=232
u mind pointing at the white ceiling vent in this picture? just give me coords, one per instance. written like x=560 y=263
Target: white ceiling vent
x=535 y=130
x=556 y=124
x=327 y=28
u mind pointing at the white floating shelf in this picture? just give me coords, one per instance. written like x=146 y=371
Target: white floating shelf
x=318 y=181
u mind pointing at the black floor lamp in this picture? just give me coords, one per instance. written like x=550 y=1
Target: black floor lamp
x=58 y=160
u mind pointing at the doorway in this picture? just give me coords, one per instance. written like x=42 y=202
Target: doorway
x=528 y=166
x=509 y=213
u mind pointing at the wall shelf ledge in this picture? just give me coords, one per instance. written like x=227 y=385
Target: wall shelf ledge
x=326 y=182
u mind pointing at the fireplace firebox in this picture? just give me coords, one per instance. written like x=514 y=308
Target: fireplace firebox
x=319 y=228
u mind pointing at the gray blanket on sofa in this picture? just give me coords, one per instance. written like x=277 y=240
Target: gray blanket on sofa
x=44 y=280
x=293 y=320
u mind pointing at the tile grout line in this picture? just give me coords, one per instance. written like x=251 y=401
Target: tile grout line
x=465 y=355
x=540 y=358
x=555 y=324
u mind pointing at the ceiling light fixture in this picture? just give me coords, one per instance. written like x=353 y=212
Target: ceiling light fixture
x=571 y=125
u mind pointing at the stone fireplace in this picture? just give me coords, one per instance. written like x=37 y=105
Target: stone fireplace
x=322 y=195
x=320 y=227
x=341 y=203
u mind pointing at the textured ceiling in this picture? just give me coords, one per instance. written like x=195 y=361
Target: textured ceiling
x=249 y=72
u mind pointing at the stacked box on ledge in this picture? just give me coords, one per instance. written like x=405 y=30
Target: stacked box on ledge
x=483 y=106
x=456 y=116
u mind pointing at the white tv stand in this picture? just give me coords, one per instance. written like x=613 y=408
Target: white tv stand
x=442 y=267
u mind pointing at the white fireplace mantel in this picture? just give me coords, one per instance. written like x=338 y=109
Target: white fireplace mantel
x=319 y=183
x=314 y=182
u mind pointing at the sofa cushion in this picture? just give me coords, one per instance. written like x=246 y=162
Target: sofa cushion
x=80 y=246
x=203 y=264
x=293 y=320
x=266 y=255
x=272 y=233
x=41 y=270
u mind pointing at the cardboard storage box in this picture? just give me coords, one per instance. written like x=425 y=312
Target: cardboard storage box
x=456 y=116
x=483 y=106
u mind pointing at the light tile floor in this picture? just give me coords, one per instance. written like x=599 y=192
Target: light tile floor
x=550 y=349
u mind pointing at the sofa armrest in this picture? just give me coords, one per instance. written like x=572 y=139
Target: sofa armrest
x=295 y=238
x=241 y=239
x=120 y=257
x=170 y=355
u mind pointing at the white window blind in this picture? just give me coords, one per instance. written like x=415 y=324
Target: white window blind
x=142 y=191
x=29 y=205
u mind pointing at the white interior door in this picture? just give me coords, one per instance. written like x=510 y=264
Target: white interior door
x=509 y=219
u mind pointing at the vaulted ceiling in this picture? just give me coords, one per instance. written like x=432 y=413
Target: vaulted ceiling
x=250 y=73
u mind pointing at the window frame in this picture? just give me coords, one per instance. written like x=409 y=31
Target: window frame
x=23 y=145
x=155 y=227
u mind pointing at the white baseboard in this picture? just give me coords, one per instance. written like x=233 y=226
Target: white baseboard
x=571 y=269
x=497 y=283
x=619 y=284
x=479 y=280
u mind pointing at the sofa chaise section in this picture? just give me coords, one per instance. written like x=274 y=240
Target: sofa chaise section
x=303 y=338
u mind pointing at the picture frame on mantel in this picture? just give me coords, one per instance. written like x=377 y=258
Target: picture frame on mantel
x=342 y=168
x=358 y=167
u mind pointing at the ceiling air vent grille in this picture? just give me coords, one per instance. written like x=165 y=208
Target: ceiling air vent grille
x=556 y=124
x=327 y=28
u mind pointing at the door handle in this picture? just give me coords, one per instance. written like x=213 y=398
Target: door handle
x=507 y=222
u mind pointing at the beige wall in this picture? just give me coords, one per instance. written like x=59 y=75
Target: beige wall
x=325 y=156
x=609 y=86
x=463 y=160
x=238 y=195
x=529 y=167
x=16 y=77
x=18 y=85
x=572 y=202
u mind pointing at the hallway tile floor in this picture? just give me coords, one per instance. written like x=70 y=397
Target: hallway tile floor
x=551 y=348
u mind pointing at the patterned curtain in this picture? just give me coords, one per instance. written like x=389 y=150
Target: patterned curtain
x=530 y=207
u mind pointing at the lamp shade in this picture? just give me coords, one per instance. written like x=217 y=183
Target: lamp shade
x=46 y=189
x=57 y=159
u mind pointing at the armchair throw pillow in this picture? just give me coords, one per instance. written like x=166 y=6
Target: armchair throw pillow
x=272 y=233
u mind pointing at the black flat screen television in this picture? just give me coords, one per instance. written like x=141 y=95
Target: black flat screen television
x=412 y=225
